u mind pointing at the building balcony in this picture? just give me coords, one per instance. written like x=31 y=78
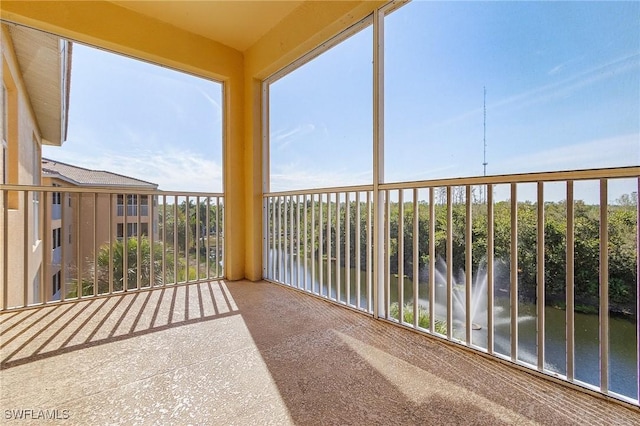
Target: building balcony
x=367 y=354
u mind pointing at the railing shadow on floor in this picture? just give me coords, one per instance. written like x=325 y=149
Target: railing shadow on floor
x=42 y=332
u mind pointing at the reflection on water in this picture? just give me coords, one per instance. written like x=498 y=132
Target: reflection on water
x=623 y=372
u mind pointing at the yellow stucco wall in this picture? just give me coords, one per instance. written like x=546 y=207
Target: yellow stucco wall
x=23 y=147
x=109 y=26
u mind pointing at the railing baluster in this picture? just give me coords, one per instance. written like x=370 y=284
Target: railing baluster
x=95 y=244
x=490 y=269
x=79 y=246
x=139 y=242
x=305 y=246
x=26 y=244
x=186 y=239
x=449 y=263
x=164 y=239
x=280 y=252
x=513 y=290
x=175 y=239
x=320 y=248
x=151 y=221
x=221 y=245
x=358 y=265
x=274 y=229
x=64 y=271
x=400 y=256
x=5 y=249
x=285 y=236
x=432 y=261
x=298 y=241
x=369 y=248
x=207 y=235
x=416 y=257
x=338 y=219
x=570 y=277
x=638 y=290
x=198 y=230
x=540 y=297
x=468 y=244
x=387 y=254
x=313 y=243
x=347 y=247
x=604 y=288
x=328 y=242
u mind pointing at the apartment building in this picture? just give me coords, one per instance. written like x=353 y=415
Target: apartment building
x=35 y=88
x=79 y=224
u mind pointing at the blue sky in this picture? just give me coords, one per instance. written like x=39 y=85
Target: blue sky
x=562 y=81
x=144 y=121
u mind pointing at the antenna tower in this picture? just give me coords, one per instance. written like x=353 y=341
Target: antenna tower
x=484 y=134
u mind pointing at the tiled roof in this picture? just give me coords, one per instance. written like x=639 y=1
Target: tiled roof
x=86 y=177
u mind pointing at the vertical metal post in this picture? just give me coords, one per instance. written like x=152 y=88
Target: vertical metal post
x=449 y=263
x=358 y=265
x=387 y=253
x=432 y=261
x=305 y=247
x=298 y=254
x=347 y=247
x=313 y=242
x=540 y=298
x=64 y=271
x=139 y=241
x=78 y=246
x=164 y=239
x=207 y=234
x=5 y=249
x=400 y=256
x=369 y=261
x=514 y=272
x=604 y=288
x=490 y=268
x=338 y=219
x=320 y=248
x=378 y=161
x=198 y=229
x=570 y=277
x=110 y=241
x=221 y=245
x=26 y=246
x=468 y=247
x=151 y=231
x=274 y=230
x=175 y=239
x=329 y=252
x=186 y=239
x=95 y=243
x=416 y=258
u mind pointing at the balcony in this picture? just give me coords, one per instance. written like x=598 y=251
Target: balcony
x=223 y=352
x=307 y=359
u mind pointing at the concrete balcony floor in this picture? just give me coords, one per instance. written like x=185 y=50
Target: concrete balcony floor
x=258 y=353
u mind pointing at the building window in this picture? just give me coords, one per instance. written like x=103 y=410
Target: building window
x=69 y=234
x=132 y=205
x=132 y=230
x=56 y=238
x=55 y=283
x=56 y=196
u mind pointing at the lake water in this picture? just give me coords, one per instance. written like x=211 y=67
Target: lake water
x=623 y=365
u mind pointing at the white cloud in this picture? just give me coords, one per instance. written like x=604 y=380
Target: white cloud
x=617 y=151
x=179 y=170
x=284 y=137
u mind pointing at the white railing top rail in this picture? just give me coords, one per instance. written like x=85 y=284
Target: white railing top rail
x=575 y=175
x=108 y=190
x=608 y=173
x=333 y=190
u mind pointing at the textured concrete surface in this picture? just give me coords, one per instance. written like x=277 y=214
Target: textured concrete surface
x=226 y=353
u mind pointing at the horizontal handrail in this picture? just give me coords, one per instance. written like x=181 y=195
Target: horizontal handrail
x=109 y=190
x=332 y=190
x=611 y=173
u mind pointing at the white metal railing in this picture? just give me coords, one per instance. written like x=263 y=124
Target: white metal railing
x=537 y=269
x=91 y=247
x=320 y=241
